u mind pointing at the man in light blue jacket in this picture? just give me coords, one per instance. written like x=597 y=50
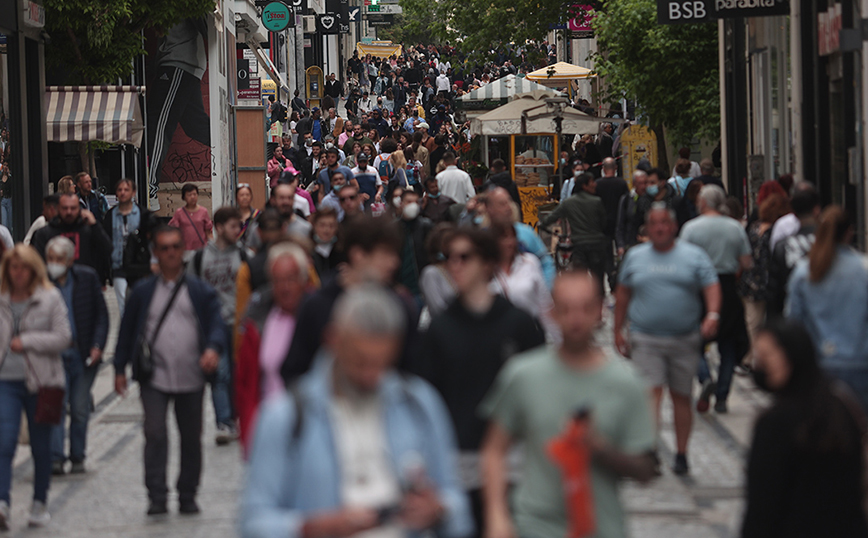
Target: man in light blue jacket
x=354 y=445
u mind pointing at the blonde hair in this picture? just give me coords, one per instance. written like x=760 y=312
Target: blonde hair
x=29 y=257
x=398 y=160
x=66 y=185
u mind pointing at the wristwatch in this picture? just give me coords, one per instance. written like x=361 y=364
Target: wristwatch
x=713 y=315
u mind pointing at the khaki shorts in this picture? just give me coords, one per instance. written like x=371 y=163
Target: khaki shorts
x=667 y=360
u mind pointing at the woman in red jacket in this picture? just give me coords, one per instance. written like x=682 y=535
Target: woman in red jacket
x=266 y=334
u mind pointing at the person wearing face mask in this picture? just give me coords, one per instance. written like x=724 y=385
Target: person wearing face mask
x=89 y=322
x=435 y=205
x=333 y=199
x=658 y=190
x=326 y=256
x=414 y=256
x=369 y=180
x=805 y=467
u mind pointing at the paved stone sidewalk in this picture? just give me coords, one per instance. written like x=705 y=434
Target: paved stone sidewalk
x=110 y=500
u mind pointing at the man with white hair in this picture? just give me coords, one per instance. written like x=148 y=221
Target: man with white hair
x=727 y=244
x=266 y=333
x=354 y=446
x=89 y=322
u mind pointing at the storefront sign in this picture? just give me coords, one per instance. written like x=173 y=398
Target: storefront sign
x=327 y=24
x=34 y=14
x=252 y=91
x=829 y=30
x=276 y=17
x=580 y=26
x=685 y=11
x=681 y=11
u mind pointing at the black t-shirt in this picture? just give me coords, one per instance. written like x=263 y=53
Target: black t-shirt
x=462 y=353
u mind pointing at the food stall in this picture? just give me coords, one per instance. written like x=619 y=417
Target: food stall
x=529 y=124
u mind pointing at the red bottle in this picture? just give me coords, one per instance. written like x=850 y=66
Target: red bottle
x=571 y=454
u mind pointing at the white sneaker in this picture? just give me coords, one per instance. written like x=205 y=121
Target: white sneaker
x=39 y=516
x=4 y=516
x=225 y=434
x=154 y=204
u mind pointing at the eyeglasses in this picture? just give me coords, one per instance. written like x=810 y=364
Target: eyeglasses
x=167 y=248
x=345 y=198
x=462 y=257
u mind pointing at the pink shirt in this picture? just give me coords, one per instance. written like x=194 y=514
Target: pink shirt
x=273 y=349
x=195 y=226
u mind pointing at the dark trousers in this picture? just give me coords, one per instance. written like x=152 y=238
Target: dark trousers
x=611 y=264
x=592 y=257
x=175 y=98
x=188 y=413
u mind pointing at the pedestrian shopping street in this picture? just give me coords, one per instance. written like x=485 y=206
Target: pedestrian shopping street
x=109 y=501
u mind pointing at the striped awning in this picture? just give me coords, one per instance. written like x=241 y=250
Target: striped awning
x=110 y=114
x=499 y=92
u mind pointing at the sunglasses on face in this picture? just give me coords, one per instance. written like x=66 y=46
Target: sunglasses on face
x=346 y=198
x=462 y=257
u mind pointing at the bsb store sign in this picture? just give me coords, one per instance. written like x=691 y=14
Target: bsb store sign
x=686 y=11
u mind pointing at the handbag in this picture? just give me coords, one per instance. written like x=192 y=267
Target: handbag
x=143 y=369
x=49 y=400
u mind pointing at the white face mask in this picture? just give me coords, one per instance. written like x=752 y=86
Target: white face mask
x=55 y=270
x=396 y=201
x=411 y=211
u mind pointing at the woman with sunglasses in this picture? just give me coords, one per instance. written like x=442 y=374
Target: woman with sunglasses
x=244 y=199
x=468 y=343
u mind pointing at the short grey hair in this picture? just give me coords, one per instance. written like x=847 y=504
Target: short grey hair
x=639 y=173
x=61 y=245
x=660 y=206
x=370 y=309
x=714 y=198
x=287 y=249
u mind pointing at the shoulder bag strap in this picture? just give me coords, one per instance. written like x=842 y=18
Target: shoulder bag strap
x=194 y=225
x=165 y=313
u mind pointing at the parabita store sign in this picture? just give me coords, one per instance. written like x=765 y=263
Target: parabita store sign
x=684 y=11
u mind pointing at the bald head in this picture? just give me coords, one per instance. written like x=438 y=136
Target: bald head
x=609 y=167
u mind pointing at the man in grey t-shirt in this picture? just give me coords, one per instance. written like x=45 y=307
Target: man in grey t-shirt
x=726 y=243
x=660 y=290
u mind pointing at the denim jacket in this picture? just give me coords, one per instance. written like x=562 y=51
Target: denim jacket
x=834 y=310
x=295 y=473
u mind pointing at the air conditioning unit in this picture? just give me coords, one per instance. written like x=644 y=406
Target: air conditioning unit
x=309 y=24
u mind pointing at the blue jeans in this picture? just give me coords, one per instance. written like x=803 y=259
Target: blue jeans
x=6 y=211
x=79 y=381
x=727 y=349
x=220 y=391
x=14 y=397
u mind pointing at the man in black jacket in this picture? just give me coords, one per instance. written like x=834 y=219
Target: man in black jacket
x=610 y=189
x=92 y=245
x=414 y=255
x=82 y=292
x=334 y=88
x=630 y=215
x=500 y=177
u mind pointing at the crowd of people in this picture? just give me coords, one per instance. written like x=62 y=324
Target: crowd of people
x=381 y=334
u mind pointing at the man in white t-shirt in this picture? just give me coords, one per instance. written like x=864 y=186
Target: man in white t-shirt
x=455 y=182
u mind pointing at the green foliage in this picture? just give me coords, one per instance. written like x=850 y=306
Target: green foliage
x=410 y=29
x=670 y=70
x=478 y=26
x=99 y=39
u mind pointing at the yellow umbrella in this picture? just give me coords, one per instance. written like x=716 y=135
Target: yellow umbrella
x=560 y=75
